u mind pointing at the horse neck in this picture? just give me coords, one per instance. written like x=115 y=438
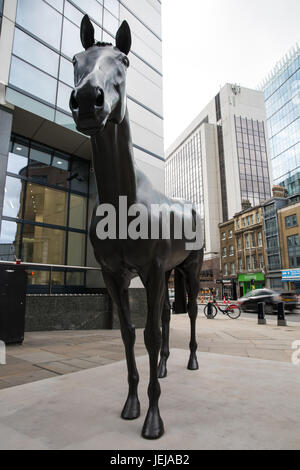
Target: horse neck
x=114 y=163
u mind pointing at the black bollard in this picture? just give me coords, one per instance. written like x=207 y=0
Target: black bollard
x=281 y=321
x=261 y=314
x=209 y=311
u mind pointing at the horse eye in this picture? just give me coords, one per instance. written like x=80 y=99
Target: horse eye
x=125 y=61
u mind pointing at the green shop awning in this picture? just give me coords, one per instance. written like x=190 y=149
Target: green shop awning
x=249 y=277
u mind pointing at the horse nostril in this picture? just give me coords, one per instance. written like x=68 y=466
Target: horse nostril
x=73 y=101
x=100 y=99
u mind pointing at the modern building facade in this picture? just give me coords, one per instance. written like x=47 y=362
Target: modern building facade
x=272 y=237
x=47 y=189
x=221 y=160
x=282 y=96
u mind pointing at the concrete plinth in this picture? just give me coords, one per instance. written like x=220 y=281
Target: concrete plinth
x=229 y=403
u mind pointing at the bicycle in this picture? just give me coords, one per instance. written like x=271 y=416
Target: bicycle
x=233 y=311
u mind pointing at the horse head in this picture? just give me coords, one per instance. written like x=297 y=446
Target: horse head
x=100 y=73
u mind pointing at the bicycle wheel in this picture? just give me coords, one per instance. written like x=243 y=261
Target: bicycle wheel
x=234 y=312
x=213 y=311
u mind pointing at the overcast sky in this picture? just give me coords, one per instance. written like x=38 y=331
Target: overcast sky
x=207 y=43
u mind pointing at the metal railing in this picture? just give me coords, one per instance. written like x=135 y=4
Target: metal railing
x=51 y=268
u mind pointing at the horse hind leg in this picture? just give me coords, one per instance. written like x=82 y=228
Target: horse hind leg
x=193 y=312
x=166 y=317
x=193 y=285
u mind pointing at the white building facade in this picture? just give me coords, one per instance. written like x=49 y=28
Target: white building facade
x=221 y=159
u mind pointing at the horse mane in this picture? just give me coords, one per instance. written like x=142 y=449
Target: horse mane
x=103 y=44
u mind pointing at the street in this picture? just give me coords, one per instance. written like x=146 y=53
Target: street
x=290 y=317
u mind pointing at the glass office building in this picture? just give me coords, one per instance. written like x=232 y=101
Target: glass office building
x=48 y=189
x=282 y=97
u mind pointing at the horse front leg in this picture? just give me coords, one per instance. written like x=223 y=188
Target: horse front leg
x=165 y=321
x=118 y=289
x=154 y=282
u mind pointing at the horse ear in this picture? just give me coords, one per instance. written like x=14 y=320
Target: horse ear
x=123 y=38
x=87 y=32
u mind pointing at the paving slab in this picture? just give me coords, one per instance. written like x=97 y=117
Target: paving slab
x=229 y=403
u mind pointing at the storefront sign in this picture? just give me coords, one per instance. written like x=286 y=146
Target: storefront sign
x=291 y=275
x=249 y=277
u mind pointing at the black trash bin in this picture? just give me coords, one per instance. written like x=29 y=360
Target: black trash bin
x=13 y=285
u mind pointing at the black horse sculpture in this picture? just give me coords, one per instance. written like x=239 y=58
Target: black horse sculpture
x=99 y=107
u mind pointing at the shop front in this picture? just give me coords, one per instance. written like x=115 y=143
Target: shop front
x=291 y=278
x=229 y=289
x=248 y=282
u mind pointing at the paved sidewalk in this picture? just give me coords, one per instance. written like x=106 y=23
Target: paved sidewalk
x=50 y=354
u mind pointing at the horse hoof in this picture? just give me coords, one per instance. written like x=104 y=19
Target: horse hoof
x=153 y=427
x=193 y=363
x=132 y=409
x=162 y=370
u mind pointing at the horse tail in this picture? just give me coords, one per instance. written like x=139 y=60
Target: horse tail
x=180 y=292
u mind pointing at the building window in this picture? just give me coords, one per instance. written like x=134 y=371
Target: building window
x=225 y=269
x=244 y=222
x=252 y=219
x=257 y=217
x=240 y=264
x=247 y=240
x=231 y=250
x=45 y=210
x=291 y=221
x=274 y=262
x=261 y=261
x=253 y=160
x=239 y=243
x=253 y=240
x=293 y=240
x=254 y=264
x=248 y=263
x=224 y=252
x=238 y=224
x=230 y=234
x=223 y=236
x=233 y=268
x=248 y=220
x=293 y=251
x=259 y=239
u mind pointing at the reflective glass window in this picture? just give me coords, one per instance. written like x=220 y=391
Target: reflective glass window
x=43 y=245
x=75 y=279
x=35 y=53
x=18 y=158
x=110 y=23
x=77 y=214
x=71 y=43
x=92 y=7
x=58 y=4
x=45 y=205
x=80 y=175
x=76 y=249
x=9 y=240
x=40 y=19
x=72 y=13
x=66 y=72
x=13 y=196
x=113 y=6
x=63 y=97
x=33 y=81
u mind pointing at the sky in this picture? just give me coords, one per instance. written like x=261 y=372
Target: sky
x=207 y=43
